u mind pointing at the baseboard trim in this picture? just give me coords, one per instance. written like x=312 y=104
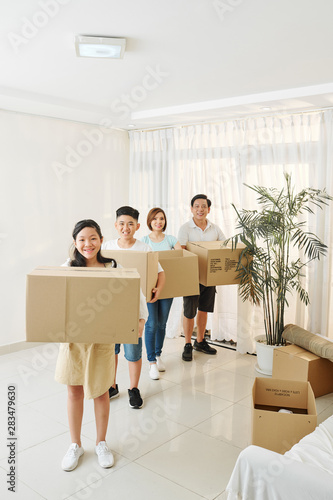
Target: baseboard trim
x=223 y=343
x=18 y=346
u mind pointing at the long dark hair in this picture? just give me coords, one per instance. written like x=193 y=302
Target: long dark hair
x=78 y=260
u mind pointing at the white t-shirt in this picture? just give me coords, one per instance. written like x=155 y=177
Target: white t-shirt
x=139 y=246
x=191 y=232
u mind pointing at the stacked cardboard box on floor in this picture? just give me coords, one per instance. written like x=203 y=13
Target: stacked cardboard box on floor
x=279 y=431
x=295 y=363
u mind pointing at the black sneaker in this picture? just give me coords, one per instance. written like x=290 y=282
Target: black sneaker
x=135 y=400
x=187 y=353
x=203 y=346
x=113 y=392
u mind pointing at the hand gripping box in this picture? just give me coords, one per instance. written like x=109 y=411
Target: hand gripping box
x=217 y=263
x=181 y=273
x=295 y=363
x=82 y=305
x=146 y=263
x=279 y=431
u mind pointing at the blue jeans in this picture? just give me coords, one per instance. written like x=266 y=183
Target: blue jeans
x=132 y=351
x=155 y=327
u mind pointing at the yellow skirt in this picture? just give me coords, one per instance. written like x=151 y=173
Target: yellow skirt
x=89 y=365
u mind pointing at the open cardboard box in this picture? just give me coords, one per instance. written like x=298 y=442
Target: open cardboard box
x=82 y=305
x=280 y=431
x=292 y=362
x=217 y=263
x=181 y=273
x=146 y=263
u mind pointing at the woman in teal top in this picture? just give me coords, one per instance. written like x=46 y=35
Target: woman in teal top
x=159 y=310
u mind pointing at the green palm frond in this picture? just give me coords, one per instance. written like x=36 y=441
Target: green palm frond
x=266 y=273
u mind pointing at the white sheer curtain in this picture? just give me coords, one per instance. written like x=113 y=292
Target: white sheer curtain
x=168 y=167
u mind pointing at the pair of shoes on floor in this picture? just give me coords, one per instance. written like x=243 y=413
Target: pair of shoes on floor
x=154 y=373
x=74 y=452
x=113 y=392
x=135 y=399
x=203 y=346
x=160 y=365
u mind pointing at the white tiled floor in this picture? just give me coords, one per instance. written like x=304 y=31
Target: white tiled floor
x=182 y=444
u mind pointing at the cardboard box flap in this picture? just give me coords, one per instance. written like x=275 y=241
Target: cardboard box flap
x=181 y=273
x=312 y=409
x=282 y=393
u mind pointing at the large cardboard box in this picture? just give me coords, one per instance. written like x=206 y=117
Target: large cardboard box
x=181 y=272
x=88 y=305
x=217 y=263
x=146 y=263
x=295 y=363
x=280 y=431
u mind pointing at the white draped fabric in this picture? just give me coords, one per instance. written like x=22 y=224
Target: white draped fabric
x=169 y=166
x=306 y=470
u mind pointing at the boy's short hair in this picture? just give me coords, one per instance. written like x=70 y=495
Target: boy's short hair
x=132 y=212
x=200 y=197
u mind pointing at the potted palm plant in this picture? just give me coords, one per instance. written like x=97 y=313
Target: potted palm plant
x=266 y=270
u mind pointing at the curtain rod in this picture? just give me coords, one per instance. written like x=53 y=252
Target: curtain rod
x=166 y=127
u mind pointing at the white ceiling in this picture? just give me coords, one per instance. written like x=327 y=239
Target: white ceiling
x=186 y=61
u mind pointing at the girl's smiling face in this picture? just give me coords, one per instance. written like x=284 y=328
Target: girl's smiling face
x=88 y=243
x=158 y=222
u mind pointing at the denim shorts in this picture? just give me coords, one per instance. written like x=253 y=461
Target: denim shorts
x=133 y=352
x=204 y=302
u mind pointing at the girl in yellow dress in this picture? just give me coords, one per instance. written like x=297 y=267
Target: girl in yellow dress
x=88 y=370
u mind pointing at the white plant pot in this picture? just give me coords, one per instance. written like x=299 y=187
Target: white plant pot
x=264 y=355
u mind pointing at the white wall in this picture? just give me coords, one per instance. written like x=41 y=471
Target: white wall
x=52 y=174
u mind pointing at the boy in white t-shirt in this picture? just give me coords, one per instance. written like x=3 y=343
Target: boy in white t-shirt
x=127 y=223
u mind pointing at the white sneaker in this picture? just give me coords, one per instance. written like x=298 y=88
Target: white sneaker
x=160 y=364
x=153 y=372
x=104 y=454
x=71 y=459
